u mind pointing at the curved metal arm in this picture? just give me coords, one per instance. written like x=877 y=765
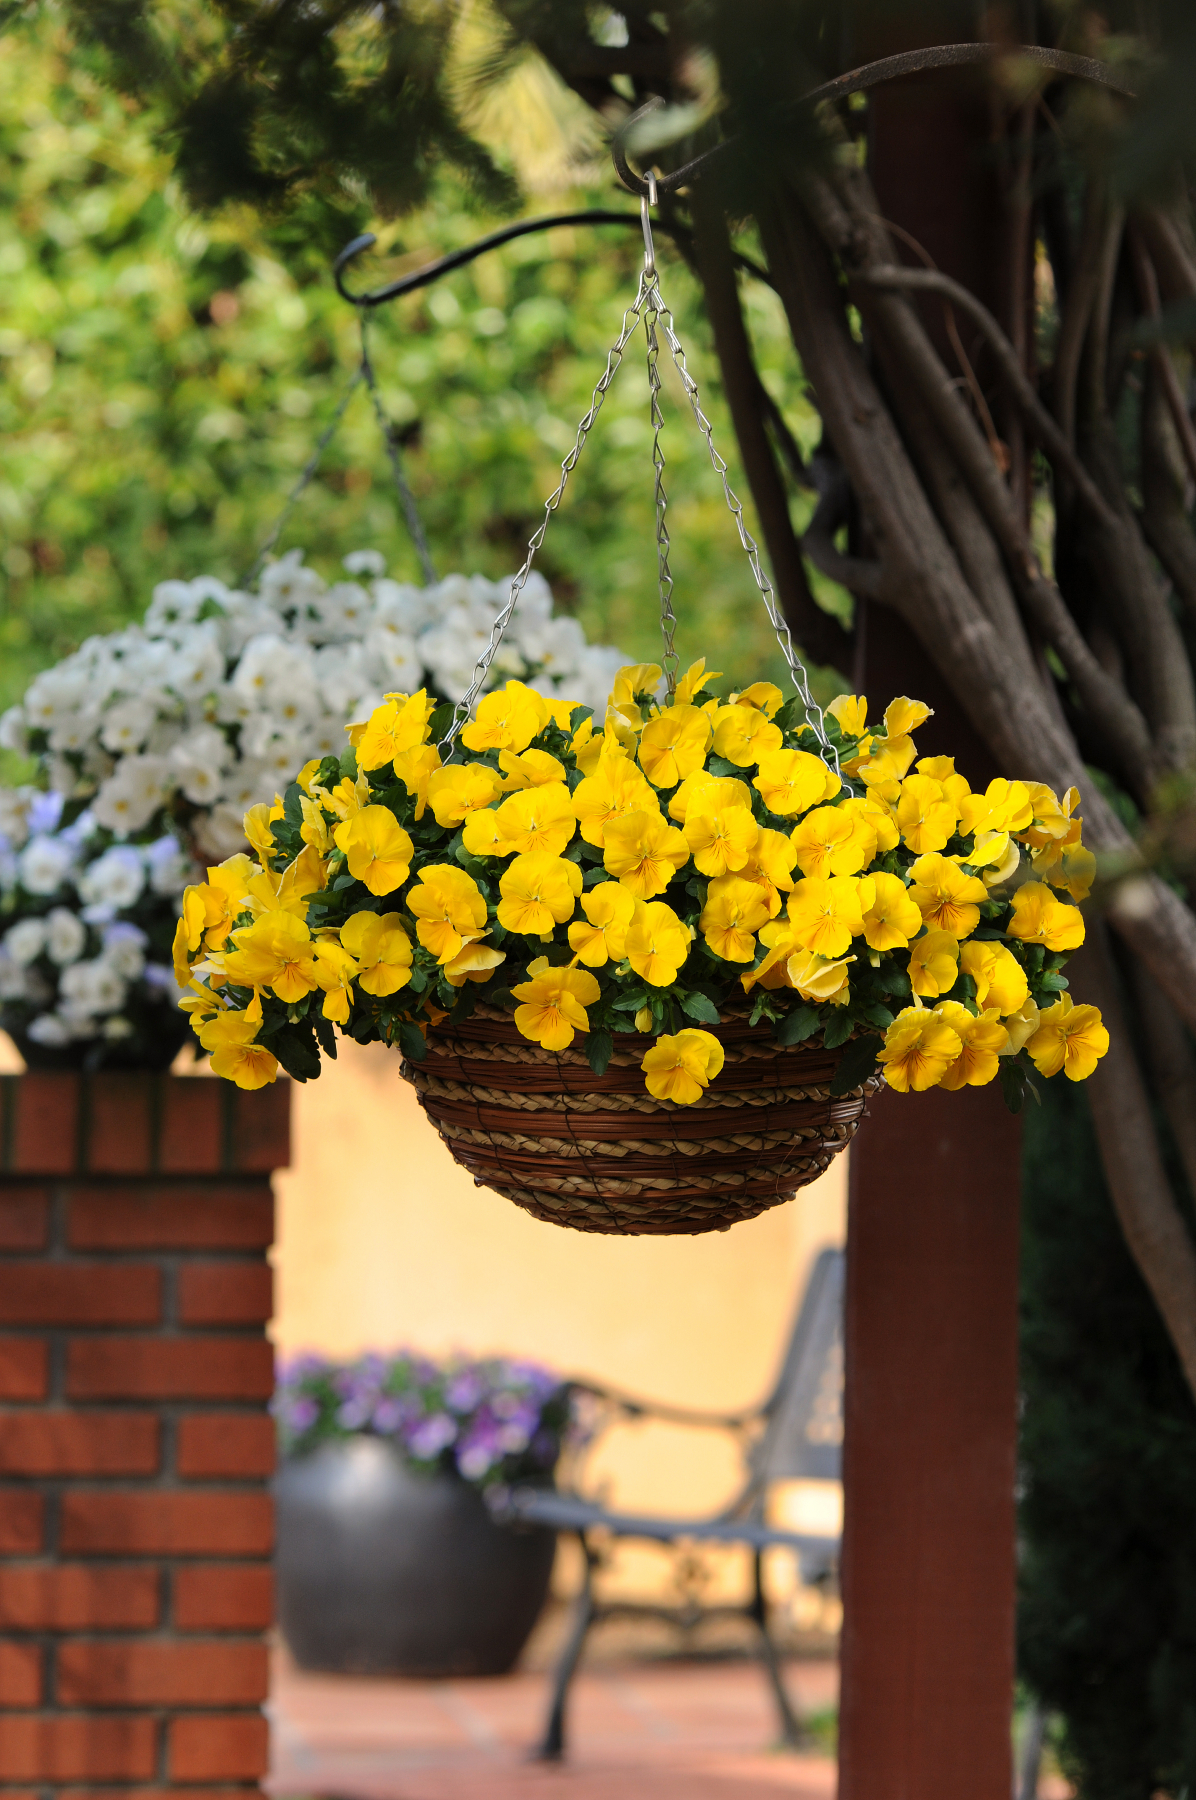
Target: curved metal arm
x=458 y=259
x=857 y=81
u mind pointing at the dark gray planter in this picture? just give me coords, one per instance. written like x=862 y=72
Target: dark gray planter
x=384 y=1571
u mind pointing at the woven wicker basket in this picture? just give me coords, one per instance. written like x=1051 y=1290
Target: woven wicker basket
x=597 y=1152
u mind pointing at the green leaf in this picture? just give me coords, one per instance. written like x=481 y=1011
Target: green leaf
x=697 y=1006
x=859 y=1062
x=1013 y=1083
x=600 y=1047
x=348 y=764
x=631 y=1002
x=442 y=718
x=325 y=1034
x=297 y=1052
x=292 y=806
x=797 y=1026
x=411 y=1041
x=839 y=1030
x=718 y=765
x=876 y=1014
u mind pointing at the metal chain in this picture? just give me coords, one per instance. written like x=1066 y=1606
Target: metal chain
x=668 y=618
x=415 y=525
x=461 y=711
x=305 y=479
x=649 y=304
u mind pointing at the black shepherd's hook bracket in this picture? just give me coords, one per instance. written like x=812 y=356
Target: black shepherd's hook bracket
x=889 y=68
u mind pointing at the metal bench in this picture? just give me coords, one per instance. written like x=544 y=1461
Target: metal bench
x=796 y=1434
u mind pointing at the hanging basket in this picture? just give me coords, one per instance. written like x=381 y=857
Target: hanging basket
x=598 y=1153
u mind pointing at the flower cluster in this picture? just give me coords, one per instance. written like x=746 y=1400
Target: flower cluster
x=215 y=701
x=686 y=857
x=494 y=1420
x=85 y=971
x=163 y=734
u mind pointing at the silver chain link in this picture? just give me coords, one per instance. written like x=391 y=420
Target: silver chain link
x=649 y=305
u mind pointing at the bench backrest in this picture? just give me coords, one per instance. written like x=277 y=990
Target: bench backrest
x=803 y=1438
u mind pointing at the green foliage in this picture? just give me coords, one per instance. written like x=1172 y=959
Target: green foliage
x=1107 y=1619
x=165 y=379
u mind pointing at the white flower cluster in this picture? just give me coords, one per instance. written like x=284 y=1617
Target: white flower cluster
x=221 y=696
x=68 y=970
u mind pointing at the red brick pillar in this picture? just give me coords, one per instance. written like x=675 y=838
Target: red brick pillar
x=135 y=1445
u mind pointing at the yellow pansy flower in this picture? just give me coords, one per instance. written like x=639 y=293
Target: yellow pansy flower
x=397 y=725
x=734 y=911
x=945 y=896
x=933 y=964
x=288 y=892
x=507 y=719
x=919 y=1049
x=529 y=768
x=693 y=681
x=719 y=790
x=616 y=789
x=560 y=712
x=743 y=735
x=602 y=936
x=415 y=769
x=276 y=951
x=680 y=1068
x=878 y=815
x=539 y=892
x=449 y=910
x=996 y=854
x=1069 y=1037
x=942 y=770
x=554 y=1002
x=721 y=837
x=791 y=781
x=1053 y=820
x=981 y=1040
x=926 y=815
x=633 y=680
x=770 y=865
x=382 y=950
x=257 y=823
x=536 y=818
x=657 y=943
x=307 y=774
x=999 y=977
x=315 y=829
x=229 y=1038
x=180 y=952
x=882 y=770
x=334 y=971
x=1003 y=806
x=1038 y=918
x=850 y=713
x=644 y=852
x=347 y=797
x=1021 y=1026
x=827 y=912
x=476 y=962
x=817 y=979
x=377 y=849
x=904 y=715
x=586 y=746
x=893 y=917
x=1067 y=866
x=674 y=744
x=460 y=789
x=765 y=696
x=832 y=841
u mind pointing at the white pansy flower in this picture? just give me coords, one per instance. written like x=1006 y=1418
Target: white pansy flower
x=88 y=988
x=169 y=868
x=128 y=800
x=364 y=562
x=44 y=865
x=66 y=936
x=14 y=730
x=14 y=981
x=113 y=881
x=116 y=1027
x=219 y=832
x=124 y=950
x=25 y=941
x=14 y=814
x=50 y=1030
x=127 y=724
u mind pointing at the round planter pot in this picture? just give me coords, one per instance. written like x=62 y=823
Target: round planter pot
x=383 y=1571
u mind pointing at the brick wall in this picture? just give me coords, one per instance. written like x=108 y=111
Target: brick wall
x=135 y=1445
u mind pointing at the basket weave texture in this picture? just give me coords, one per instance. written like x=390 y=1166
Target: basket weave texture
x=597 y=1152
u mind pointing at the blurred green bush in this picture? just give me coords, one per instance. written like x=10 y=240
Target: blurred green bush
x=163 y=378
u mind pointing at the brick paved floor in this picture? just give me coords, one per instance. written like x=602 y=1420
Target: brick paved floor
x=654 y=1731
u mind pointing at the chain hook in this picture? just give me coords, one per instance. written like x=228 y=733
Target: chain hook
x=647 y=200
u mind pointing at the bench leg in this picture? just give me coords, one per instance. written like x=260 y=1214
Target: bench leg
x=792 y=1735
x=552 y=1749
